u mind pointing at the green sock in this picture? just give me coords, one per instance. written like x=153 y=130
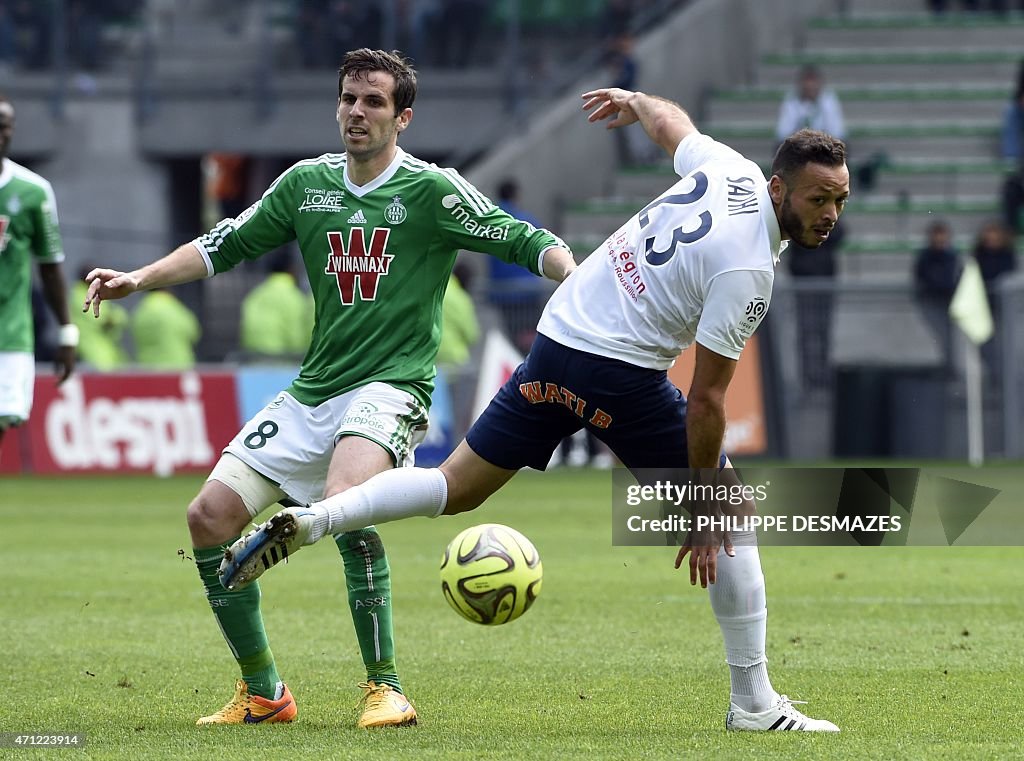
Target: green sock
x=240 y=620
x=368 y=578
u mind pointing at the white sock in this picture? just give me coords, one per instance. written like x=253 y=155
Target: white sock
x=738 y=601
x=388 y=496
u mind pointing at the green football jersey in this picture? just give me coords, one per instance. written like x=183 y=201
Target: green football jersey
x=28 y=230
x=378 y=258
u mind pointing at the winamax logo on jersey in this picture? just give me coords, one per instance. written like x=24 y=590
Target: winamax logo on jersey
x=357 y=262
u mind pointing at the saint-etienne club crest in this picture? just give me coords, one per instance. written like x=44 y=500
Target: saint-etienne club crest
x=395 y=213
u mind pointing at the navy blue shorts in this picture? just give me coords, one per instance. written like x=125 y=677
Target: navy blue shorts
x=636 y=411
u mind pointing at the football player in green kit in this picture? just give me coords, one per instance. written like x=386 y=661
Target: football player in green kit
x=28 y=231
x=379 y=231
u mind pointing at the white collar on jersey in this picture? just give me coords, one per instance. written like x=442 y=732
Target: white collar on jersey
x=361 y=190
x=6 y=172
x=776 y=255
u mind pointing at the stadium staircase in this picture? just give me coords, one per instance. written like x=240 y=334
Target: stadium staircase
x=923 y=98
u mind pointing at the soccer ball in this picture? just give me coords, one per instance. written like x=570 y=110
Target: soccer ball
x=490 y=574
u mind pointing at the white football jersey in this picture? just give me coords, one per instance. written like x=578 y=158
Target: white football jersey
x=697 y=263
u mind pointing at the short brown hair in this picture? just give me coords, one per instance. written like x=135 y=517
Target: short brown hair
x=805 y=147
x=365 y=61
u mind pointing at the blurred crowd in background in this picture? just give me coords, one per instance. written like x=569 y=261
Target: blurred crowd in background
x=457 y=35
x=434 y=33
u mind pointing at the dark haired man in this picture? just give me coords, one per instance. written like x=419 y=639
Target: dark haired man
x=695 y=265
x=378 y=230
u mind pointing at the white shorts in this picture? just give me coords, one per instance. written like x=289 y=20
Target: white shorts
x=17 y=383
x=291 y=444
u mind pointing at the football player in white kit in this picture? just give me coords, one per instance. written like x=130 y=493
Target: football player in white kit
x=695 y=265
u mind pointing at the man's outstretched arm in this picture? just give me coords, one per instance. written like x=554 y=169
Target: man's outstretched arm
x=665 y=122
x=183 y=265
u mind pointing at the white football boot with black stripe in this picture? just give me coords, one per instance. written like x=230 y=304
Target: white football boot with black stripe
x=781 y=717
x=265 y=546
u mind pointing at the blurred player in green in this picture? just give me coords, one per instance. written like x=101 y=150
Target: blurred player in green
x=277 y=317
x=378 y=231
x=165 y=332
x=28 y=230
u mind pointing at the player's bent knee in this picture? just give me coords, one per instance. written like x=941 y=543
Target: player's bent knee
x=206 y=518
x=215 y=518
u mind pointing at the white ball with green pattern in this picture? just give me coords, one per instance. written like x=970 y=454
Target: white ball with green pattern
x=491 y=574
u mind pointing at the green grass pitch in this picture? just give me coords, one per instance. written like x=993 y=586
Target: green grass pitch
x=914 y=652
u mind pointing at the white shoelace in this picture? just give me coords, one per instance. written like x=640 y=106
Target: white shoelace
x=785 y=704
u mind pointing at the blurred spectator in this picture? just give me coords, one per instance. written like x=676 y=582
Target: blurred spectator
x=342 y=28
x=28 y=27
x=996 y=6
x=277 y=315
x=622 y=72
x=459 y=327
x=518 y=294
x=229 y=179
x=622 y=65
x=326 y=29
x=421 y=20
x=313 y=35
x=1013 y=154
x=936 y=272
x=995 y=254
x=100 y=338
x=937 y=267
x=459 y=28
x=84 y=34
x=163 y=17
x=810 y=104
x=8 y=37
x=616 y=19
x=814 y=306
x=365 y=21
x=165 y=332
x=33 y=24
